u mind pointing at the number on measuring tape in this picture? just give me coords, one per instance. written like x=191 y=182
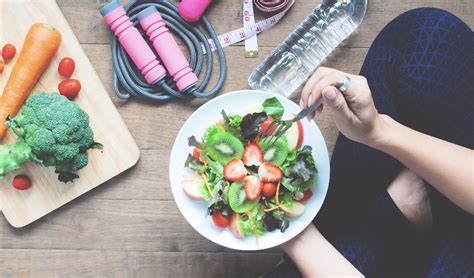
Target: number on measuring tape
x=246 y=32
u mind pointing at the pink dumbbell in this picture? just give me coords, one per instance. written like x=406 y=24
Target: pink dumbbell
x=192 y=10
x=167 y=48
x=132 y=41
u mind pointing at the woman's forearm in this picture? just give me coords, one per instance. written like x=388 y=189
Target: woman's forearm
x=315 y=256
x=446 y=166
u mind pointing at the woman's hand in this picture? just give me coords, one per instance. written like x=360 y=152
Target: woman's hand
x=355 y=113
x=446 y=166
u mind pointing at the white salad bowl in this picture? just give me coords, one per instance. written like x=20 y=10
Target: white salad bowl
x=195 y=212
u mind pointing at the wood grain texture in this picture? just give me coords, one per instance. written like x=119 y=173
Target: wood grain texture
x=130 y=226
x=133 y=264
x=120 y=151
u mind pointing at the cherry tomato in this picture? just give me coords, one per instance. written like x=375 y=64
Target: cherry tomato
x=266 y=123
x=307 y=194
x=21 y=182
x=66 y=67
x=2 y=66
x=269 y=189
x=69 y=88
x=219 y=219
x=8 y=52
x=197 y=154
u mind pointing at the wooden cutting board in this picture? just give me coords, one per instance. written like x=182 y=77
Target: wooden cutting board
x=120 y=150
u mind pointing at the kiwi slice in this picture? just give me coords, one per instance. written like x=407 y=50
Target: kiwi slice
x=238 y=199
x=275 y=153
x=223 y=147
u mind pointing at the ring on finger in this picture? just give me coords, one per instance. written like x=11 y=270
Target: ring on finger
x=344 y=84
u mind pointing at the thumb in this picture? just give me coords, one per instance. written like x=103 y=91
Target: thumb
x=336 y=101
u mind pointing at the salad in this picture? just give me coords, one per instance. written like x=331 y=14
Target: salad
x=252 y=187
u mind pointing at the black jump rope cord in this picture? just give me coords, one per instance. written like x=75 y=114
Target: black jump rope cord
x=125 y=73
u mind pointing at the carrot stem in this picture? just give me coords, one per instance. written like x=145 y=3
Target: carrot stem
x=271 y=209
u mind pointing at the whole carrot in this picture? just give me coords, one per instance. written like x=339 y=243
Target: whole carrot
x=39 y=47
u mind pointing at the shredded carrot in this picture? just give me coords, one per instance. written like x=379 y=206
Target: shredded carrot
x=222 y=128
x=277 y=201
x=271 y=209
x=204 y=177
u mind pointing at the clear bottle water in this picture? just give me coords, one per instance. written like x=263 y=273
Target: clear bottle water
x=295 y=59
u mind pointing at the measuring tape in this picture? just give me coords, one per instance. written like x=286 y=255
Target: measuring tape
x=251 y=43
x=250 y=31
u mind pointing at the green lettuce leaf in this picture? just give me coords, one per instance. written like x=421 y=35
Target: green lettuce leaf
x=214 y=166
x=273 y=107
x=305 y=167
x=286 y=182
x=248 y=223
x=286 y=199
x=193 y=164
x=204 y=192
x=211 y=130
x=302 y=171
x=234 y=120
x=232 y=123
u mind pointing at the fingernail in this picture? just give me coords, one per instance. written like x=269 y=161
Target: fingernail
x=331 y=94
x=301 y=103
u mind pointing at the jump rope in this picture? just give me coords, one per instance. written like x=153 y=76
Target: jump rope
x=157 y=18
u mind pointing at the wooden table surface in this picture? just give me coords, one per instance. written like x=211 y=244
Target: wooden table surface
x=130 y=226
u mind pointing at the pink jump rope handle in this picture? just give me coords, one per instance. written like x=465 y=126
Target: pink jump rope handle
x=192 y=10
x=132 y=41
x=167 y=48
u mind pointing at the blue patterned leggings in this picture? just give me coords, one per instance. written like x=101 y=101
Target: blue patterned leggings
x=420 y=69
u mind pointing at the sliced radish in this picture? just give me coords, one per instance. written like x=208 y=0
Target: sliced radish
x=234 y=226
x=295 y=209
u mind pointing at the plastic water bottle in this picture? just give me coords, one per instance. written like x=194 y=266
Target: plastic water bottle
x=295 y=59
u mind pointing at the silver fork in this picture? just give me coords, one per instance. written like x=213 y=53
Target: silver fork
x=278 y=127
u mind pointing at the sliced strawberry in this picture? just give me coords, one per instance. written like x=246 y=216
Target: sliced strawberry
x=269 y=172
x=253 y=187
x=235 y=170
x=253 y=155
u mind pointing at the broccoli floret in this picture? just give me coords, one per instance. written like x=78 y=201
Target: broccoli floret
x=52 y=131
